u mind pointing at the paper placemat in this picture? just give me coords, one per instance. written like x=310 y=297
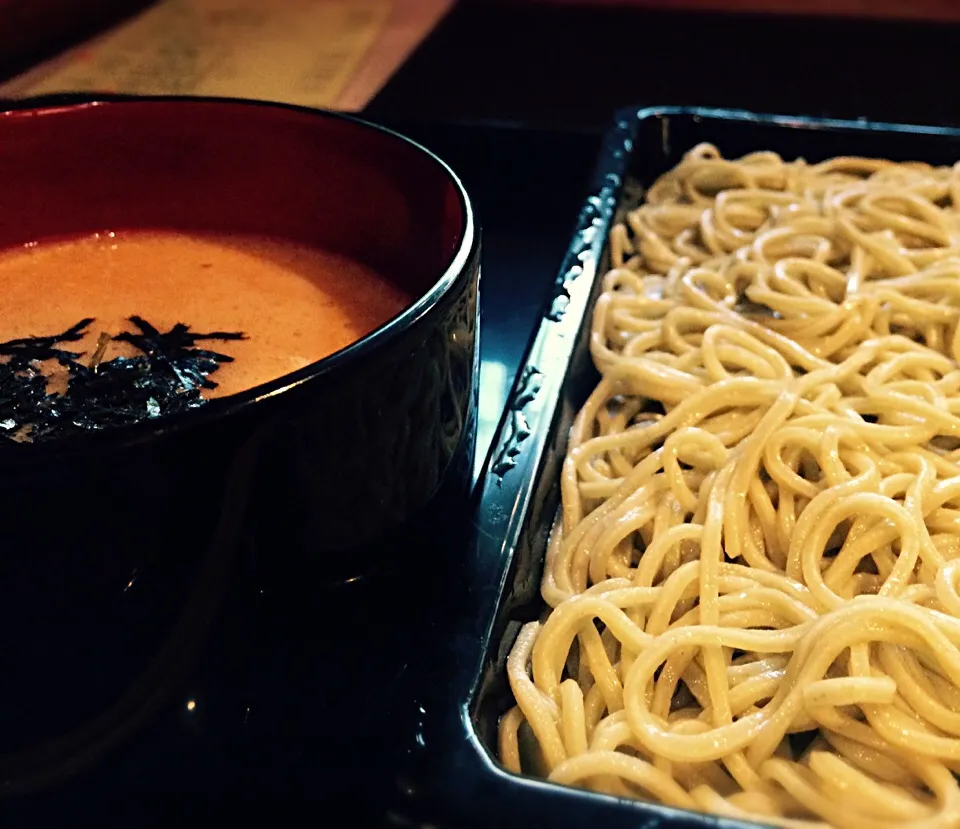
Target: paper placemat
x=297 y=51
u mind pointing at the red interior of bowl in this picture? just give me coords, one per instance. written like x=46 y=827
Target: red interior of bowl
x=230 y=167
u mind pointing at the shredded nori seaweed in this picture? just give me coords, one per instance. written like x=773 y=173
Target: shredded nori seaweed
x=165 y=378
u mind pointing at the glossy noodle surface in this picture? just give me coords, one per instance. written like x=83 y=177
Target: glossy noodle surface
x=753 y=585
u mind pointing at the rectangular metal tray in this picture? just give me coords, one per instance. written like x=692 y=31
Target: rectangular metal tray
x=455 y=779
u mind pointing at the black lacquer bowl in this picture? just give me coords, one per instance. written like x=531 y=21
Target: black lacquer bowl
x=116 y=546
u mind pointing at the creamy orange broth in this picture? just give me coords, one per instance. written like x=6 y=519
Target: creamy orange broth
x=296 y=304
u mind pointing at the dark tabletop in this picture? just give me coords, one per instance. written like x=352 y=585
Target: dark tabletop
x=571 y=66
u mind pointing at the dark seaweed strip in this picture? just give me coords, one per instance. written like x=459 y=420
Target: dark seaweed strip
x=176 y=349
x=178 y=338
x=23 y=395
x=164 y=379
x=72 y=334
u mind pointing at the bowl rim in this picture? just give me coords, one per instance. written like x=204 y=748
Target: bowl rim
x=456 y=269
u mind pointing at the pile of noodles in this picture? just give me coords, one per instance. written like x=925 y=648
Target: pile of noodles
x=753 y=590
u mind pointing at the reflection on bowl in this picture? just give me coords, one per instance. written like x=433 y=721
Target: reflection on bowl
x=332 y=265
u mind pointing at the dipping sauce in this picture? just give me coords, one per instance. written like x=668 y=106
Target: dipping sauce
x=295 y=304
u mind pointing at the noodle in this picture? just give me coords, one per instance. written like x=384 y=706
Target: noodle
x=754 y=583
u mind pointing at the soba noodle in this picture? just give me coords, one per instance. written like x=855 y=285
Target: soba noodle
x=754 y=587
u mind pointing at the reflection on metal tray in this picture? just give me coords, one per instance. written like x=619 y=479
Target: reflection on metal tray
x=456 y=779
